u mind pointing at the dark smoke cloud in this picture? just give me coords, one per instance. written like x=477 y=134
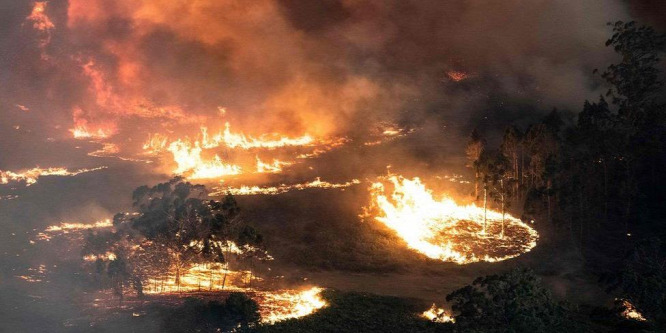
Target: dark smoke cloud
x=302 y=66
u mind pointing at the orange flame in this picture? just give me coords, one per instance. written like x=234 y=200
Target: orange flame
x=30 y=176
x=457 y=76
x=191 y=164
x=444 y=230
x=43 y=24
x=273 y=190
x=275 y=167
x=438 y=315
x=630 y=312
x=287 y=304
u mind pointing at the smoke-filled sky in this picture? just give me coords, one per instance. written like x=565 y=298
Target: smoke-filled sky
x=121 y=70
x=296 y=66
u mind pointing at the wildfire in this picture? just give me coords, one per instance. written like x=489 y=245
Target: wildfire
x=67 y=227
x=274 y=306
x=106 y=151
x=111 y=150
x=275 y=167
x=195 y=159
x=443 y=230
x=287 y=304
x=155 y=144
x=42 y=24
x=240 y=140
x=438 y=315
x=273 y=190
x=38 y=17
x=82 y=132
x=629 y=311
x=200 y=277
x=190 y=163
x=104 y=256
x=74 y=226
x=325 y=147
x=30 y=176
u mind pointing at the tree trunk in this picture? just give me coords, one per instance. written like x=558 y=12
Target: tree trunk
x=210 y=282
x=605 y=193
x=476 y=185
x=485 y=207
x=178 y=277
x=502 y=233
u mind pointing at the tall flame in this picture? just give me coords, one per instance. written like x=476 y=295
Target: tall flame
x=42 y=24
x=188 y=157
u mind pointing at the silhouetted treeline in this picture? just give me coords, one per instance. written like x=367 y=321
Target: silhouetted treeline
x=599 y=183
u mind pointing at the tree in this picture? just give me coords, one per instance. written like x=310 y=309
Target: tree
x=117 y=271
x=175 y=227
x=475 y=148
x=238 y=313
x=635 y=82
x=515 y=301
x=511 y=148
x=642 y=279
x=492 y=167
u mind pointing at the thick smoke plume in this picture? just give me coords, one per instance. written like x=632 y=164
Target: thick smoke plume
x=290 y=66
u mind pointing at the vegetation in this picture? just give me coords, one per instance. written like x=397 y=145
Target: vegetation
x=237 y=313
x=356 y=312
x=598 y=183
x=173 y=228
x=512 y=302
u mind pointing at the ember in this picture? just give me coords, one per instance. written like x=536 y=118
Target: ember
x=629 y=311
x=438 y=315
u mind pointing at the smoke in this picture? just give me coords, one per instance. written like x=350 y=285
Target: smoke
x=322 y=67
x=116 y=71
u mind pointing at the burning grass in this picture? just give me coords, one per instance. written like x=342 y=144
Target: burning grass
x=283 y=188
x=444 y=230
x=30 y=176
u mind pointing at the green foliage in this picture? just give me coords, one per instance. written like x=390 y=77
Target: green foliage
x=515 y=301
